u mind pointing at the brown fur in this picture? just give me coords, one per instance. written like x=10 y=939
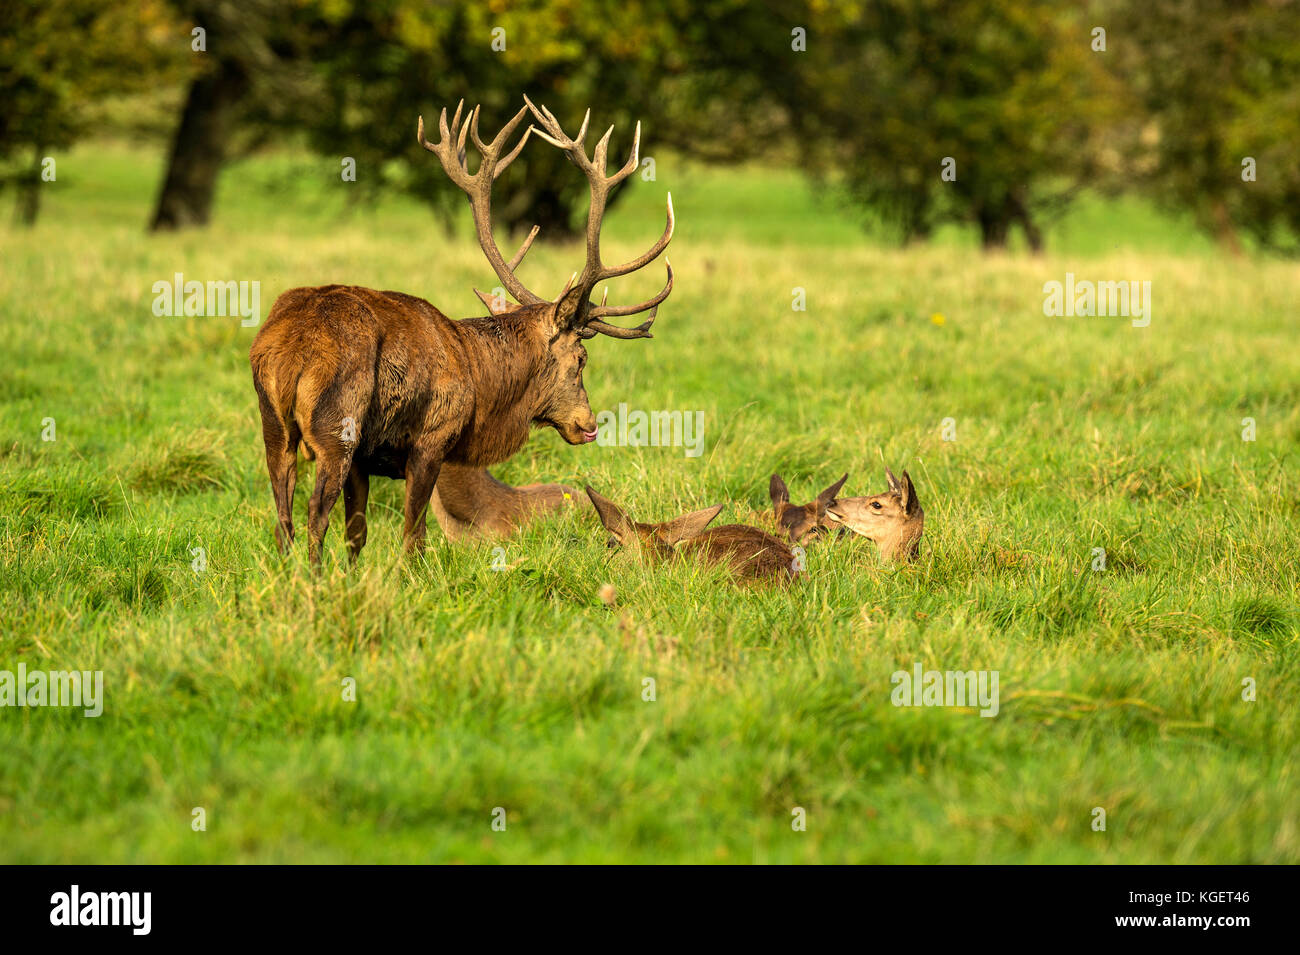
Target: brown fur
x=419 y=388
x=894 y=519
x=749 y=553
x=468 y=501
x=803 y=523
x=383 y=383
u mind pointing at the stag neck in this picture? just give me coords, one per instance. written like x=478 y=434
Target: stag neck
x=510 y=348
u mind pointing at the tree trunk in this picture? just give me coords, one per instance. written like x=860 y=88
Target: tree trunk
x=1224 y=230
x=1033 y=235
x=995 y=225
x=29 y=192
x=199 y=149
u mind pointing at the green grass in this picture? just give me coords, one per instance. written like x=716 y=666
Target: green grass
x=478 y=689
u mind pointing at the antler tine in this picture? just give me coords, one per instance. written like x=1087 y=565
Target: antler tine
x=600 y=311
x=567 y=285
x=597 y=327
x=523 y=249
x=602 y=148
x=633 y=158
x=454 y=168
x=547 y=136
x=510 y=157
x=491 y=151
x=472 y=120
x=652 y=253
x=550 y=118
x=472 y=126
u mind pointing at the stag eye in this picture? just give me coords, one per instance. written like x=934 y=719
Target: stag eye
x=875 y=505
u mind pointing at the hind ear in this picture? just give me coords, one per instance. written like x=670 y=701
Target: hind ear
x=777 y=491
x=827 y=497
x=907 y=492
x=688 y=525
x=615 y=521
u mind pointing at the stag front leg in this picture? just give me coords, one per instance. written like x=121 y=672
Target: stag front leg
x=421 y=475
x=356 y=492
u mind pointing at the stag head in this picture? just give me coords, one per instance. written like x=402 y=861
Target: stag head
x=572 y=317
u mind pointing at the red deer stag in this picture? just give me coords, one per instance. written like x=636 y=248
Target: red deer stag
x=383 y=383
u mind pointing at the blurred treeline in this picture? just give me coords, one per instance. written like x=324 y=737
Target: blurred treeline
x=1193 y=102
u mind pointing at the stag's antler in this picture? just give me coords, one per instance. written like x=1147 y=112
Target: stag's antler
x=450 y=149
x=587 y=318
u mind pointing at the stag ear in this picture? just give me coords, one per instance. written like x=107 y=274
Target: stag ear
x=908 y=493
x=777 y=491
x=569 y=307
x=615 y=521
x=496 y=304
x=688 y=525
x=827 y=497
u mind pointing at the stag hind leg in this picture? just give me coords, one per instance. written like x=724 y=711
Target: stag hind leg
x=333 y=433
x=355 y=494
x=281 y=439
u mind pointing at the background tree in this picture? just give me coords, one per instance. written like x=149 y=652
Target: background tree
x=1220 y=82
x=246 y=79
x=1012 y=93
x=57 y=59
x=353 y=75
x=382 y=64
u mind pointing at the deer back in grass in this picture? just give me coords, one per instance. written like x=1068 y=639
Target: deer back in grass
x=803 y=523
x=749 y=553
x=383 y=383
x=894 y=520
x=470 y=502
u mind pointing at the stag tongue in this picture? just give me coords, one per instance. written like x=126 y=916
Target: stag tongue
x=590 y=435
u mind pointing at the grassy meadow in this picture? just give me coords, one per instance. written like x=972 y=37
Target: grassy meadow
x=476 y=689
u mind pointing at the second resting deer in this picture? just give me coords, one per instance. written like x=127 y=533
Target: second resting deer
x=749 y=553
x=802 y=522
